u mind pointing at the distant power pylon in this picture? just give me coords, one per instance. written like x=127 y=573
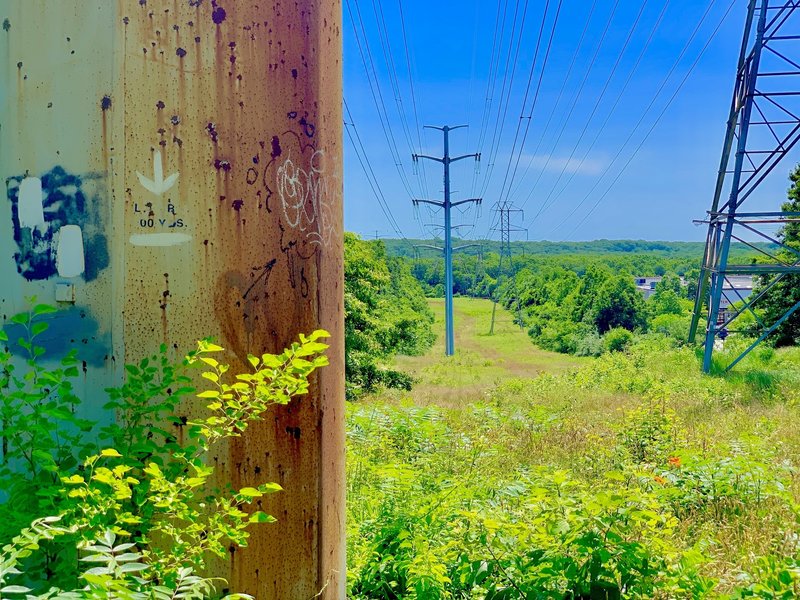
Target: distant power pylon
x=447 y=205
x=764 y=125
x=505 y=211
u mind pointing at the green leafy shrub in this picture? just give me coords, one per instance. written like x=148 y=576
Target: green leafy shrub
x=544 y=536
x=617 y=339
x=650 y=433
x=774 y=577
x=673 y=326
x=385 y=314
x=590 y=345
x=136 y=523
x=726 y=481
x=436 y=513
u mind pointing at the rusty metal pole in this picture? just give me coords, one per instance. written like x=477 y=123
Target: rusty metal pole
x=210 y=136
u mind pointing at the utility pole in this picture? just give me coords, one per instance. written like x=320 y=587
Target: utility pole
x=505 y=210
x=447 y=205
x=190 y=155
x=763 y=126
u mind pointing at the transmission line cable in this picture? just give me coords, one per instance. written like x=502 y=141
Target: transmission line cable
x=494 y=66
x=598 y=100
x=525 y=99
x=394 y=80
x=545 y=205
x=377 y=96
x=505 y=95
x=647 y=135
x=471 y=90
x=491 y=82
x=575 y=100
x=557 y=103
x=366 y=166
x=418 y=128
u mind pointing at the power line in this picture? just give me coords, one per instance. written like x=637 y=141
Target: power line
x=621 y=93
x=375 y=90
x=598 y=100
x=650 y=131
x=505 y=93
x=557 y=103
x=413 y=93
x=592 y=62
x=394 y=80
x=370 y=173
x=525 y=98
x=494 y=66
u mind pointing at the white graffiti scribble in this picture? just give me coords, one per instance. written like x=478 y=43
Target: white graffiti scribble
x=309 y=198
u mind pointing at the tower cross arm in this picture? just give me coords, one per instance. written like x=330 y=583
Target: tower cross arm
x=475 y=200
x=463 y=156
x=434 y=202
x=429 y=246
x=418 y=156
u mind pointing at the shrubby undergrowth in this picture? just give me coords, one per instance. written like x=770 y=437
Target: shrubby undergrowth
x=385 y=314
x=633 y=476
x=128 y=511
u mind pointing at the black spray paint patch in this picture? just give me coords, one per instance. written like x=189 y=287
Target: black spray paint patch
x=67 y=199
x=72 y=328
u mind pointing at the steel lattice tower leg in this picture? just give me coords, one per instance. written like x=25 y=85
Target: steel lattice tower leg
x=763 y=126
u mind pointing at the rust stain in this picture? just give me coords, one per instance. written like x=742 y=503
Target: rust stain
x=259 y=193
x=231 y=111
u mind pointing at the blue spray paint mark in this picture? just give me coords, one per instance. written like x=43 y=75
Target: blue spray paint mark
x=65 y=203
x=72 y=328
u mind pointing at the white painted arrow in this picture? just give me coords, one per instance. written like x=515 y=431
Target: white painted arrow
x=158 y=185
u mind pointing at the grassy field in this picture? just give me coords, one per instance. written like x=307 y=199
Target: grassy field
x=481 y=361
x=510 y=472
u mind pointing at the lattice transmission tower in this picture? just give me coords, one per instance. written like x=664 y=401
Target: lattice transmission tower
x=763 y=127
x=505 y=212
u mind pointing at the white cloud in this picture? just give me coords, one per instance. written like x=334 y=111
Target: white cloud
x=557 y=164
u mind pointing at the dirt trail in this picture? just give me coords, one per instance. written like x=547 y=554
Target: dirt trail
x=481 y=361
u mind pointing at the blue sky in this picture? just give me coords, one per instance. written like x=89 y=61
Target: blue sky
x=650 y=188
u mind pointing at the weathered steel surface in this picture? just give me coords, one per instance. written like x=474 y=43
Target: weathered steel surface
x=53 y=161
x=215 y=127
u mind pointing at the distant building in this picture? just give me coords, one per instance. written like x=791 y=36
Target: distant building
x=647 y=285
x=737 y=288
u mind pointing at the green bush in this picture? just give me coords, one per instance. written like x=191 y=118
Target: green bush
x=133 y=516
x=385 y=314
x=617 y=339
x=673 y=326
x=589 y=345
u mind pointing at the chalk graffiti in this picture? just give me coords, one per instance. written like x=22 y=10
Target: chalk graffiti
x=298 y=187
x=309 y=197
x=58 y=225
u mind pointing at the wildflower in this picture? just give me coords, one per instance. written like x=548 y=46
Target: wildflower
x=674 y=461
x=660 y=480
